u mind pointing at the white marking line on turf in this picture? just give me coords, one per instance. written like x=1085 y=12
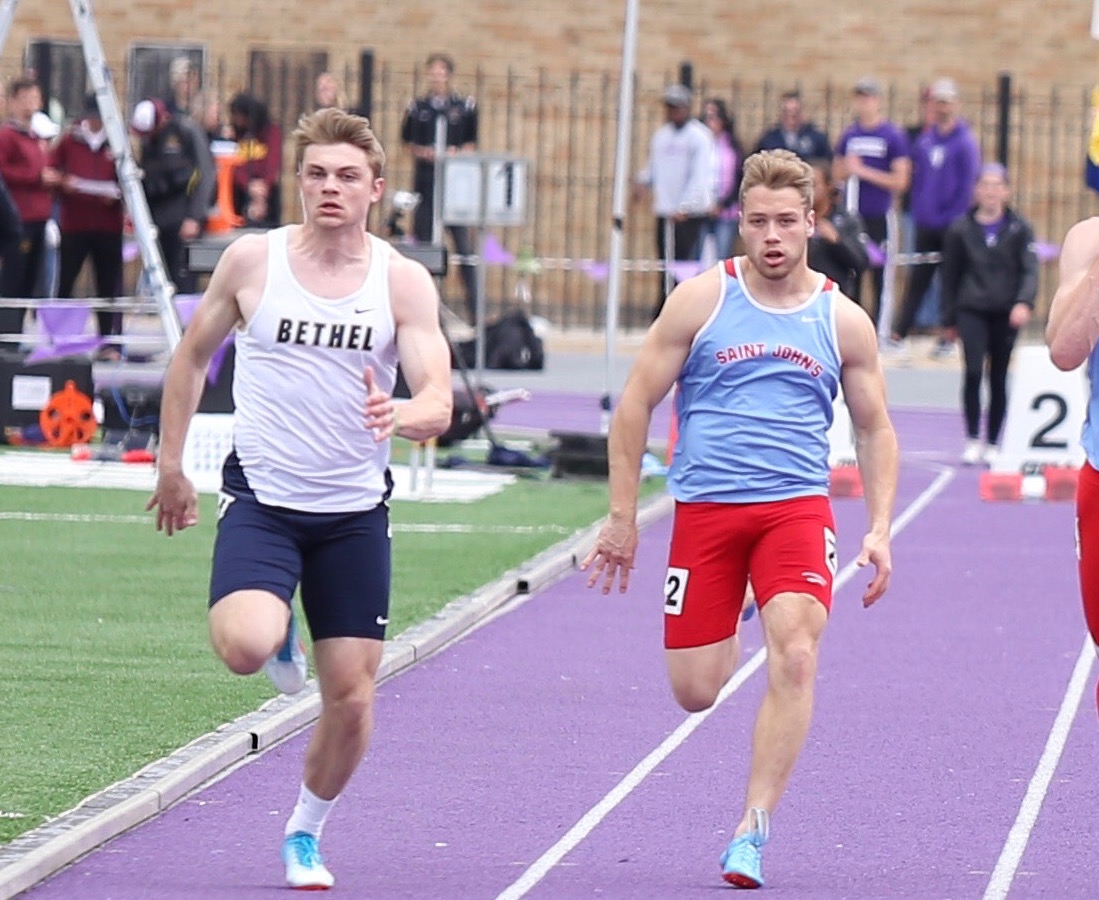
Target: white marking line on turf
x=573 y=837
x=412 y=528
x=1015 y=845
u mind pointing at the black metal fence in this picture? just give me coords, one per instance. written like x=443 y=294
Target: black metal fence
x=566 y=126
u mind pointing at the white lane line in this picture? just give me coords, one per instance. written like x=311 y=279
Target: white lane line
x=575 y=835
x=408 y=527
x=1015 y=845
x=80 y=518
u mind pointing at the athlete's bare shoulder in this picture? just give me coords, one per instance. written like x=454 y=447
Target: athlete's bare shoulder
x=247 y=253
x=1080 y=246
x=412 y=289
x=691 y=304
x=854 y=330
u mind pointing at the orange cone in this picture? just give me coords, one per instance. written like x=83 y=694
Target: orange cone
x=224 y=219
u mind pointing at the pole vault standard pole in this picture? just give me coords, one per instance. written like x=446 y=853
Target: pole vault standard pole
x=618 y=201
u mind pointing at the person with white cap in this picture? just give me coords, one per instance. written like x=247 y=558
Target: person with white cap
x=679 y=173
x=945 y=164
x=173 y=153
x=25 y=170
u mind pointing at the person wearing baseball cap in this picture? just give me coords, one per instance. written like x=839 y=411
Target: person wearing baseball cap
x=679 y=173
x=177 y=185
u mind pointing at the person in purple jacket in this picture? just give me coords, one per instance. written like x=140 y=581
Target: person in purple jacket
x=874 y=151
x=945 y=164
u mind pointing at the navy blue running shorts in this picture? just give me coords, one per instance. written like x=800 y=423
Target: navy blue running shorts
x=341 y=560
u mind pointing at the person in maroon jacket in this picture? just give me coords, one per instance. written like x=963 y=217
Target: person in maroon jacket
x=25 y=170
x=256 y=180
x=91 y=213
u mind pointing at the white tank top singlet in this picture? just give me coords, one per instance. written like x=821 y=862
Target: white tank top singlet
x=299 y=392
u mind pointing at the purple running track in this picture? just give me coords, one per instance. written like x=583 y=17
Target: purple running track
x=933 y=709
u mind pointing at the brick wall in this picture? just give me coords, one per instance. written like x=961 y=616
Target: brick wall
x=1040 y=41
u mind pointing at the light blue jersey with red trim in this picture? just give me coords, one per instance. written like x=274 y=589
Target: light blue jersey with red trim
x=754 y=399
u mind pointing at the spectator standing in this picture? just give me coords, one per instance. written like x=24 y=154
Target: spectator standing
x=206 y=113
x=928 y=312
x=185 y=82
x=680 y=175
x=25 y=169
x=792 y=132
x=874 y=151
x=91 y=214
x=171 y=163
x=328 y=92
x=257 y=179
x=837 y=246
x=728 y=163
x=459 y=113
x=989 y=282
x=945 y=162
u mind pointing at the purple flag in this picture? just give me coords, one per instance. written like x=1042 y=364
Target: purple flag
x=62 y=325
x=597 y=271
x=185 y=306
x=494 y=253
x=684 y=269
x=1046 y=252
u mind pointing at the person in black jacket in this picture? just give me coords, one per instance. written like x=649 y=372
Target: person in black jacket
x=989 y=282
x=177 y=185
x=441 y=102
x=793 y=133
x=837 y=246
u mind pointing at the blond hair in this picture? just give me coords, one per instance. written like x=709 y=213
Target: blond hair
x=775 y=170
x=334 y=126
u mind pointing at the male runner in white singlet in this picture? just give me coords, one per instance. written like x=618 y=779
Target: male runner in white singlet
x=757 y=346
x=324 y=312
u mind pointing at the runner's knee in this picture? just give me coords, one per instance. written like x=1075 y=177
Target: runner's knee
x=247 y=628
x=794 y=663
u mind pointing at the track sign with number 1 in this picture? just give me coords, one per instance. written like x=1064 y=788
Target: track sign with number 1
x=1045 y=414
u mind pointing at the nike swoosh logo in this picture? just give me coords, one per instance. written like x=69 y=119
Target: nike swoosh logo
x=365 y=309
x=382 y=620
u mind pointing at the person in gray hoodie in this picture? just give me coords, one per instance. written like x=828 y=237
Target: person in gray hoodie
x=945 y=161
x=990 y=280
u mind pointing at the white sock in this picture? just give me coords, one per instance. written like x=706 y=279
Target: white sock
x=309 y=813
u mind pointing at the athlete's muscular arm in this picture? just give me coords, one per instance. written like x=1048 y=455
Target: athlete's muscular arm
x=1073 y=326
x=875 y=440
x=423 y=352
x=655 y=370
x=216 y=315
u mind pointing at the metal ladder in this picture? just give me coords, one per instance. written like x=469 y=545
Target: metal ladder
x=129 y=176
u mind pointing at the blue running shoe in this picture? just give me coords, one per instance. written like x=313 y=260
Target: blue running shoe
x=305 y=869
x=748 y=609
x=742 y=861
x=288 y=668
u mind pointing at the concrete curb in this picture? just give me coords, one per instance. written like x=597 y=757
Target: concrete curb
x=36 y=855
